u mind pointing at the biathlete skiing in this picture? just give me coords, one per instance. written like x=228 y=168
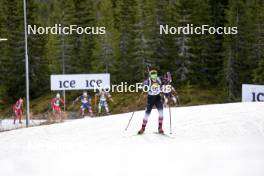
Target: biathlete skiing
x=102 y=95
x=154 y=98
x=85 y=104
x=18 y=110
x=56 y=109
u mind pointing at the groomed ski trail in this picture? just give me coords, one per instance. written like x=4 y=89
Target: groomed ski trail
x=225 y=139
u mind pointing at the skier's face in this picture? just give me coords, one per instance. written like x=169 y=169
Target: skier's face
x=153 y=75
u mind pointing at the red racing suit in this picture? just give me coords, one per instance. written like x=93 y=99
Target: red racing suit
x=55 y=104
x=18 y=108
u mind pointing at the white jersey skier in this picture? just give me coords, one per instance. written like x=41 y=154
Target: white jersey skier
x=103 y=96
x=154 y=98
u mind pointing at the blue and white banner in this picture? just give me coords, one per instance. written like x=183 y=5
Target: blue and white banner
x=80 y=81
x=252 y=93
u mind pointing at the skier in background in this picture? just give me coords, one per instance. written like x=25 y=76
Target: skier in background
x=103 y=96
x=18 y=110
x=55 y=105
x=154 y=98
x=168 y=90
x=85 y=104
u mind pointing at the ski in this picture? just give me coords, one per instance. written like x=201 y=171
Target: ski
x=156 y=133
x=164 y=134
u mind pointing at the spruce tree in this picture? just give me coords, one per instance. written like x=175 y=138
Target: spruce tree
x=13 y=61
x=39 y=66
x=106 y=50
x=202 y=58
x=143 y=51
x=127 y=21
x=218 y=19
x=239 y=58
x=159 y=43
x=183 y=42
x=83 y=45
x=2 y=48
x=258 y=17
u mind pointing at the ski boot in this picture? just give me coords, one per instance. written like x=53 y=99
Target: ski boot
x=141 y=131
x=161 y=130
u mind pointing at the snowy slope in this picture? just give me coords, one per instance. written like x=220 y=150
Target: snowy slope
x=213 y=140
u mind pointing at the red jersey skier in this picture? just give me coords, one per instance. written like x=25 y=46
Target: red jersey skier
x=55 y=105
x=154 y=98
x=18 y=110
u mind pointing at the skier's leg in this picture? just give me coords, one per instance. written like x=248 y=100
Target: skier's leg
x=60 y=113
x=82 y=111
x=106 y=107
x=15 y=117
x=159 y=106
x=150 y=104
x=53 y=114
x=99 y=107
x=166 y=100
x=90 y=110
x=57 y=113
x=174 y=99
x=20 y=116
x=20 y=119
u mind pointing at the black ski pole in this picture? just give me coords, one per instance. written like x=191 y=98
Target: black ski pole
x=129 y=120
x=170 y=119
x=133 y=112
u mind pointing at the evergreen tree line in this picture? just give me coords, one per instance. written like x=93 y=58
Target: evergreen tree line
x=132 y=42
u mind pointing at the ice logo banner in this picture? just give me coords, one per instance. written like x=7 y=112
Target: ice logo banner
x=252 y=93
x=80 y=81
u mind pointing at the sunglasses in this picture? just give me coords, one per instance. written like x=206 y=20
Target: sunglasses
x=153 y=73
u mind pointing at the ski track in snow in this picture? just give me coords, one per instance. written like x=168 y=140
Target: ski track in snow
x=225 y=139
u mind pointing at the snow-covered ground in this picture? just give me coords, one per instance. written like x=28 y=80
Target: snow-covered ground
x=212 y=140
x=7 y=124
